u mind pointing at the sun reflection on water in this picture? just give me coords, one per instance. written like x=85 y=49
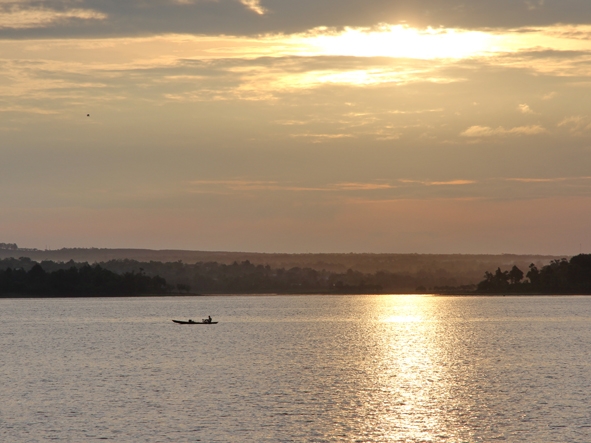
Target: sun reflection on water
x=410 y=383
x=403 y=319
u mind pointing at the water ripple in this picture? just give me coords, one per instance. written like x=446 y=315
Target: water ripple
x=297 y=369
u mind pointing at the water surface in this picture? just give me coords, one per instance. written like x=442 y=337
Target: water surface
x=296 y=369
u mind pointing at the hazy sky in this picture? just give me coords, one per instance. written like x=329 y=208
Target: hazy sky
x=297 y=125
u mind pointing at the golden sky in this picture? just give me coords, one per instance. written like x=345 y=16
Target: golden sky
x=292 y=126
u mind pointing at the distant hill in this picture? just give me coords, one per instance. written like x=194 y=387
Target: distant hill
x=440 y=269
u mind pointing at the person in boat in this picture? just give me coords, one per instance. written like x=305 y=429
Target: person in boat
x=209 y=319
x=191 y=321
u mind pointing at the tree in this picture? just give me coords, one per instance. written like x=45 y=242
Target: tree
x=580 y=272
x=515 y=275
x=533 y=275
x=502 y=277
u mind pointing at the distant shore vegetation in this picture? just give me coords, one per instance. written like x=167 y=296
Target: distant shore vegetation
x=559 y=277
x=25 y=277
x=82 y=281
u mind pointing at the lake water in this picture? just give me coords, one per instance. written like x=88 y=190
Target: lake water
x=296 y=369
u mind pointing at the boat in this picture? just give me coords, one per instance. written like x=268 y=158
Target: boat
x=191 y=322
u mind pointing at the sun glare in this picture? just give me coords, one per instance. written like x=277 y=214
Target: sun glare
x=400 y=41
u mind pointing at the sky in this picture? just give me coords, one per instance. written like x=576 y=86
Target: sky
x=427 y=126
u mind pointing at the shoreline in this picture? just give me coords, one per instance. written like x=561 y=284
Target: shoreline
x=258 y=294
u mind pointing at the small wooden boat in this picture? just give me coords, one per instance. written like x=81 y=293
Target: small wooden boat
x=191 y=322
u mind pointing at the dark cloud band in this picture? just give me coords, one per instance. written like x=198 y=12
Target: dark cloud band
x=250 y=17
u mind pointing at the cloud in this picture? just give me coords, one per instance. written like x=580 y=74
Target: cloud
x=457 y=182
x=573 y=121
x=522 y=188
x=238 y=185
x=254 y=5
x=486 y=131
x=525 y=109
x=24 y=18
x=452 y=183
x=363 y=186
x=533 y=5
x=27 y=110
x=273 y=185
x=559 y=61
x=538 y=180
x=254 y=17
x=322 y=138
x=576 y=124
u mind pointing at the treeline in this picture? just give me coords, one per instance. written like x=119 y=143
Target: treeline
x=130 y=277
x=244 y=277
x=559 y=277
x=429 y=270
x=85 y=280
x=248 y=277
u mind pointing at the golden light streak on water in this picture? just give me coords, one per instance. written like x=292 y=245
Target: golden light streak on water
x=408 y=384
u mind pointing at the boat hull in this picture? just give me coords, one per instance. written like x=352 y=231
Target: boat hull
x=181 y=322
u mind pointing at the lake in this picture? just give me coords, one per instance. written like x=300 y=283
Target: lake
x=384 y=368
